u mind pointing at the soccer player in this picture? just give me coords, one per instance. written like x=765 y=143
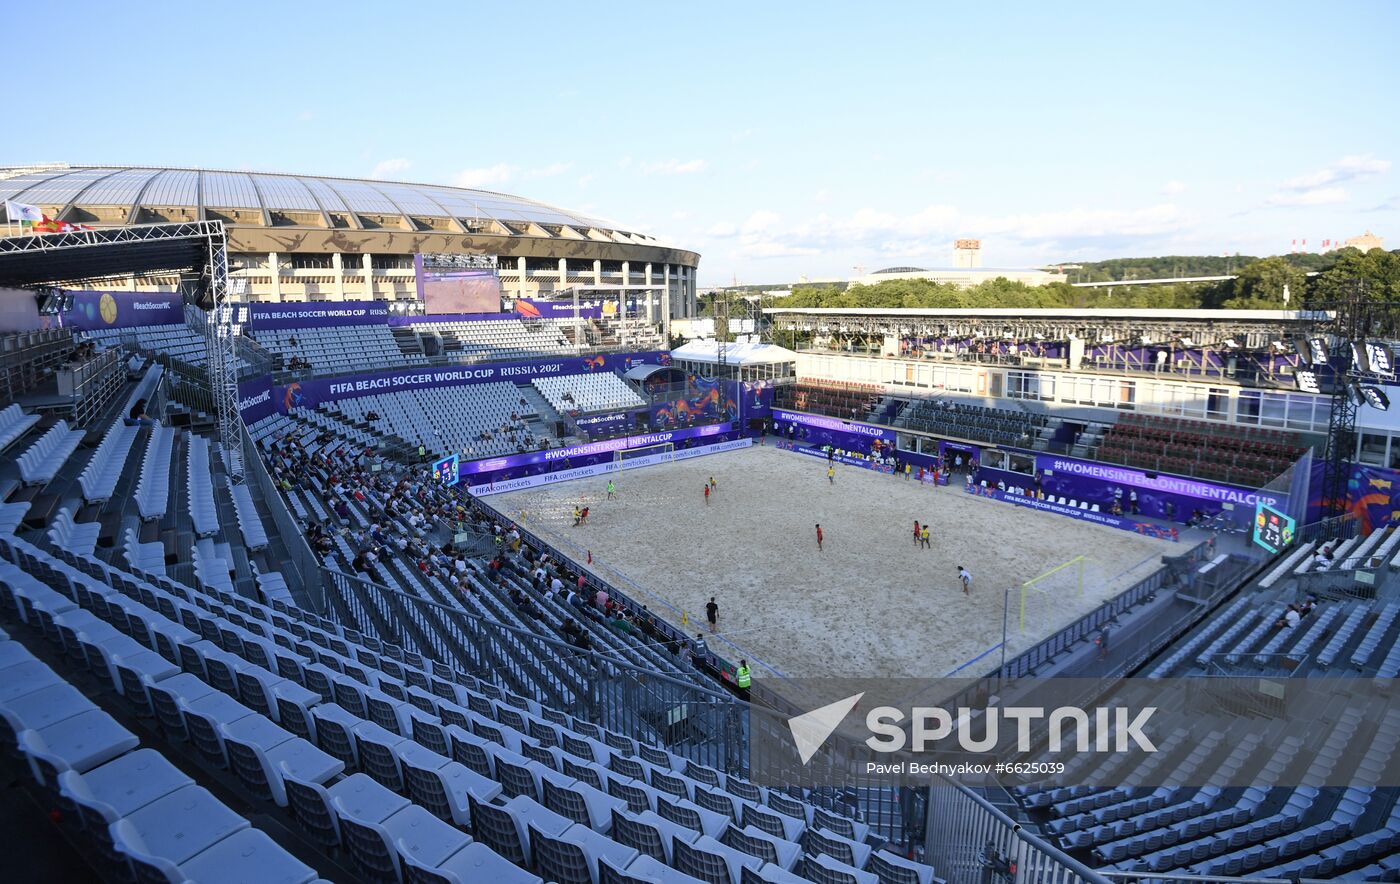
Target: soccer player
x=831 y=475
x=714 y=486
x=917 y=535
x=966 y=579
x=923 y=537
x=707 y=494
x=819 y=538
x=578 y=514
x=612 y=490
x=712 y=613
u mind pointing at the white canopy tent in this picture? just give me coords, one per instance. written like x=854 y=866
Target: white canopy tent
x=744 y=361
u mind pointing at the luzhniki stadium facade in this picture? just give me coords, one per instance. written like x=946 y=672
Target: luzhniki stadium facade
x=307 y=238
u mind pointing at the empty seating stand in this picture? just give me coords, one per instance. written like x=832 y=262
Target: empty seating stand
x=41 y=461
x=204 y=513
x=582 y=393
x=14 y=423
x=153 y=486
x=99 y=478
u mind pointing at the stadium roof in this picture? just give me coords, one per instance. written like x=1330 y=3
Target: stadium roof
x=128 y=193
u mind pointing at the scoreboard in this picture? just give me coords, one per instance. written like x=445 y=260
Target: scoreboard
x=1272 y=529
x=445 y=470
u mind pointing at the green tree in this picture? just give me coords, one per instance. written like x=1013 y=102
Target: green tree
x=1261 y=285
x=1378 y=272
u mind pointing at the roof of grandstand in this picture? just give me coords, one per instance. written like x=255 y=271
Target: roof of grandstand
x=132 y=194
x=1058 y=313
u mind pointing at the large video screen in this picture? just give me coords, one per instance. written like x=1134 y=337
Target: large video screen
x=458 y=283
x=1272 y=529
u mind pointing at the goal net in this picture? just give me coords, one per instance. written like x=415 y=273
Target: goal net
x=644 y=456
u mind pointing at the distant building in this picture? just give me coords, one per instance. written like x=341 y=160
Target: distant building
x=967 y=253
x=1365 y=242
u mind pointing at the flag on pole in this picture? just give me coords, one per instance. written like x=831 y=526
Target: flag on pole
x=45 y=224
x=23 y=213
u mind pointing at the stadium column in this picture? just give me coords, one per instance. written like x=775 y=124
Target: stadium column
x=666 y=296
x=338 y=264
x=563 y=274
x=597 y=272
x=520 y=263
x=651 y=310
x=276 y=276
x=367 y=262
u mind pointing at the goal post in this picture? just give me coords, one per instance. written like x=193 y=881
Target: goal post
x=1057 y=583
x=643 y=456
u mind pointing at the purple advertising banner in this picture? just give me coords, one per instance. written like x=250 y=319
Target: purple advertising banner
x=309 y=394
x=526 y=308
x=317 y=314
x=604 y=424
x=834 y=424
x=1053 y=466
x=255 y=400
x=1124 y=523
x=98 y=310
x=562 y=456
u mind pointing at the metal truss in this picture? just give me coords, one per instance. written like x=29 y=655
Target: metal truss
x=106 y=236
x=222 y=344
x=207 y=239
x=1354 y=319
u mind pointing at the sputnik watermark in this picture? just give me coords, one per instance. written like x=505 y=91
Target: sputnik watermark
x=924 y=728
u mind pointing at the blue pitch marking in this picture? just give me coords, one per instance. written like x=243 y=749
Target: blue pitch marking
x=973 y=660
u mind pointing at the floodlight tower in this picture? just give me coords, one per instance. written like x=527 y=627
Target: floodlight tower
x=1350 y=339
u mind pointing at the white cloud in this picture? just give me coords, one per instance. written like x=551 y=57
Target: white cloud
x=680 y=215
x=485 y=177
x=744 y=135
x=1317 y=196
x=390 y=168
x=674 y=167
x=586 y=179
x=926 y=233
x=549 y=171
x=766 y=249
x=760 y=221
x=1172 y=188
x=822 y=196
x=624 y=162
x=1345 y=169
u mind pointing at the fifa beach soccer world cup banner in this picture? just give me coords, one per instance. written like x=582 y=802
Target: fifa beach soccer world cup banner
x=317 y=314
x=98 y=310
x=310 y=393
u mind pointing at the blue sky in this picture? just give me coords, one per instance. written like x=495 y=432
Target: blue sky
x=778 y=140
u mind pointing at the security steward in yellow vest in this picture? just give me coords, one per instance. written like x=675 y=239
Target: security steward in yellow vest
x=743 y=678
